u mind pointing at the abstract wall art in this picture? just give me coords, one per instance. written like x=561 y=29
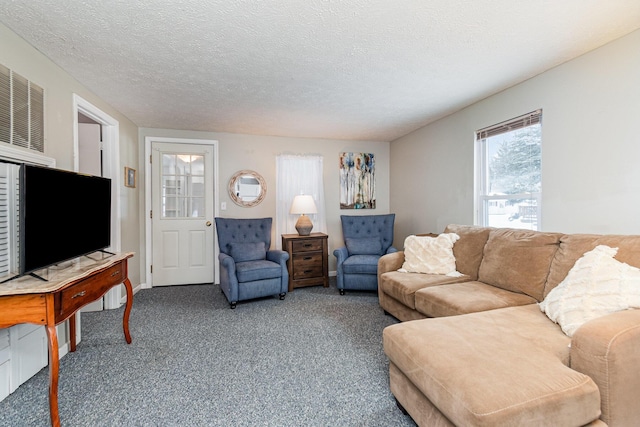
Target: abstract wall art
x=357 y=181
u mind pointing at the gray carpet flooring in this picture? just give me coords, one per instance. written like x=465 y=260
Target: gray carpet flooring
x=314 y=359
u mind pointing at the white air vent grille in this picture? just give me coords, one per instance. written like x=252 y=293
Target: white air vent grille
x=21 y=111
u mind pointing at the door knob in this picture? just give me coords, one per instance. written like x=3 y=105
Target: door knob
x=208 y=223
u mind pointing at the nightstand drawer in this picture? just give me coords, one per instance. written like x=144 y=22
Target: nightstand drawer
x=307 y=265
x=307 y=245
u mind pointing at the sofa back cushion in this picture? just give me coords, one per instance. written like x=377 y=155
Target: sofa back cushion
x=242 y=230
x=379 y=227
x=247 y=251
x=519 y=260
x=363 y=246
x=468 y=249
x=574 y=246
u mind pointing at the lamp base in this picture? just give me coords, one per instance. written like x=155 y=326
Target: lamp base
x=304 y=225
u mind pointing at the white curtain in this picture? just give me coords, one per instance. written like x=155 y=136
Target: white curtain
x=298 y=174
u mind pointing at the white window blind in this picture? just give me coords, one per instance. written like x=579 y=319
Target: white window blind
x=9 y=207
x=523 y=121
x=4 y=223
x=21 y=111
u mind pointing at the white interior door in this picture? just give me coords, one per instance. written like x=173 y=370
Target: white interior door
x=90 y=162
x=182 y=200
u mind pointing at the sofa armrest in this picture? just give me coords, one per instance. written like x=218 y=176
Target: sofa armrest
x=341 y=254
x=608 y=350
x=281 y=257
x=278 y=256
x=390 y=262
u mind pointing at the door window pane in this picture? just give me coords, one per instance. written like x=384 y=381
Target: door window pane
x=183 y=186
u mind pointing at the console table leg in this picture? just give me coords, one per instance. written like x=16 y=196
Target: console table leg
x=72 y=333
x=127 y=310
x=54 y=367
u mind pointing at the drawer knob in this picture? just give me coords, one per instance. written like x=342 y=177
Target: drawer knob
x=79 y=294
x=307 y=258
x=307 y=245
x=115 y=273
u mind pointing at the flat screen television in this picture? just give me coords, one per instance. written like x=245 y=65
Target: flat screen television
x=62 y=215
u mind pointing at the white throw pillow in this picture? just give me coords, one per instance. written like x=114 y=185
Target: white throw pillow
x=430 y=255
x=596 y=285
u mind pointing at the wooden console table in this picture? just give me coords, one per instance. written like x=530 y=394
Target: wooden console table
x=31 y=300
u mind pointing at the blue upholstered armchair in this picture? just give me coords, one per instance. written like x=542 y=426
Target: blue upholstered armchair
x=248 y=269
x=366 y=238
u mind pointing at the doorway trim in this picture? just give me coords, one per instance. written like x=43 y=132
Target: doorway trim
x=111 y=169
x=148 y=140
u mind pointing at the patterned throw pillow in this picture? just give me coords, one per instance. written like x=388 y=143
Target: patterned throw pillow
x=596 y=285
x=430 y=255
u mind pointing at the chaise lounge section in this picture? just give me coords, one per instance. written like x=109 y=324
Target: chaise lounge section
x=476 y=348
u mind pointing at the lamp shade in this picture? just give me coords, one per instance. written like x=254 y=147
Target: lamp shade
x=303 y=204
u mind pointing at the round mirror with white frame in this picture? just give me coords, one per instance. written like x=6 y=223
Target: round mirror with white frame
x=247 y=188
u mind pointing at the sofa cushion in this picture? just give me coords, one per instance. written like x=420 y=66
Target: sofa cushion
x=496 y=367
x=251 y=251
x=468 y=297
x=573 y=246
x=518 y=260
x=363 y=246
x=249 y=271
x=361 y=264
x=403 y=286
x=595 y=286
x=468 y=249
x=430 y=255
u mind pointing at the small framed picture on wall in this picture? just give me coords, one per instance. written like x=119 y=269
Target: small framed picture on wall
x=129 y=177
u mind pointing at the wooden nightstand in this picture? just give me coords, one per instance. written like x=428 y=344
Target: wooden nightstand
x=308 y=262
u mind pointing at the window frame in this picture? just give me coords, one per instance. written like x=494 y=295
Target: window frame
x=482 y=198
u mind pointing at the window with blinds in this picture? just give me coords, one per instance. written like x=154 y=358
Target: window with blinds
x=508 y=173
x=21 y=111
x=9 y=206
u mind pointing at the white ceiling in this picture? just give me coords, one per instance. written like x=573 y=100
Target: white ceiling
x=352 y=69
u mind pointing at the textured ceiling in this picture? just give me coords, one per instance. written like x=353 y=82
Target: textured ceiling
x=351 y=69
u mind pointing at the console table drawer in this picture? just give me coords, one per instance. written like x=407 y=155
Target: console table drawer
x=84 y=292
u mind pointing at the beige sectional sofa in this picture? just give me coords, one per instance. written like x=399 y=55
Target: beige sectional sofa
x=476 y=349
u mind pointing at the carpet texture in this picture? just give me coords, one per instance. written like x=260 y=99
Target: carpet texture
x=314 y=359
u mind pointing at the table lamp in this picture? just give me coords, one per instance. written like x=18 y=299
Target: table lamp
x=303 y=204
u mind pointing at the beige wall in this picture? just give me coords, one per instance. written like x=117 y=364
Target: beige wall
x=237 y=152
x=590 y=149
x=59 y=88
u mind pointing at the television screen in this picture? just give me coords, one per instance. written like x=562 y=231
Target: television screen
x=63 y=215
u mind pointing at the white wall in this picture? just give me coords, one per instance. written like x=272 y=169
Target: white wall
x=590 y=149
x=258 y=153
x=59 y=88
